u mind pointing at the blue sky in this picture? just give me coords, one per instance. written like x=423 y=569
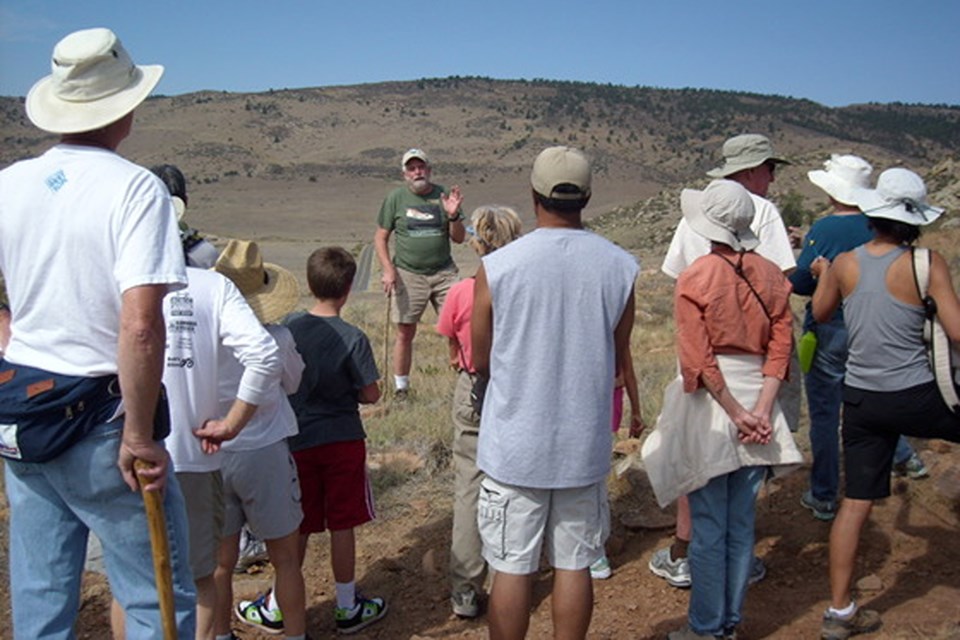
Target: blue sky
x=835 y=52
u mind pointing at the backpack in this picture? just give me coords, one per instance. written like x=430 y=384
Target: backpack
x=943 y=354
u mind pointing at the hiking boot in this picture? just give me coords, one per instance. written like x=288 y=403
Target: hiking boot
x=862 y=621
x=465 y=604
x=675 y=572
x=825 y=510
x=758 y=571
x=401 y=396
x=912 y=468
x=257 y=614
x=365 y=612
x=600 y=570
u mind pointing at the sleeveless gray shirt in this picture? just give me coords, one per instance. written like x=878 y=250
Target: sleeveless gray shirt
x=887 y=351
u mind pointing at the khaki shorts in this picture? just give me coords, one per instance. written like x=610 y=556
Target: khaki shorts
x=203 y=496
x=261 y=488
x=516 y=522
x=414 y=290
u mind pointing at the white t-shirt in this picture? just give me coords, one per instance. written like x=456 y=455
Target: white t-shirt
x=78 y=227
x=208 y=318
x=274 y=419
x=687 y=245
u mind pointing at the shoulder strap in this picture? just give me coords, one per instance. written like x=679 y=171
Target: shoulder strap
x=921 y=270
x=738 y=269
x=940 y=350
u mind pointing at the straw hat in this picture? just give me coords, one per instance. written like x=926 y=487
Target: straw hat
x=270 y=290
x=722 y=213
x=94 y=83
x=900 y=195
x=842 y=176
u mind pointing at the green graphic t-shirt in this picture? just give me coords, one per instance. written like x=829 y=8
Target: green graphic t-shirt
x=421 y=228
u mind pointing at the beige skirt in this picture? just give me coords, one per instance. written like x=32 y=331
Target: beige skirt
x=695 y=441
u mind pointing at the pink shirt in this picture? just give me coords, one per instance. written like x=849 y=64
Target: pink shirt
x=454 y=320
x=716 y=312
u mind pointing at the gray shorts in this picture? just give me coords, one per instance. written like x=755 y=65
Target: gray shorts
x=516 y=522
x=261 y=488
x=203 y=496
x=415 y=290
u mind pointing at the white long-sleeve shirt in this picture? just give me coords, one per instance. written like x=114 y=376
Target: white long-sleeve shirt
x=209 y=323
x=274 y=419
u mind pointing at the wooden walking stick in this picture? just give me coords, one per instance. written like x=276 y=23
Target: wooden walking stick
x=386 y=352
x=157 y=523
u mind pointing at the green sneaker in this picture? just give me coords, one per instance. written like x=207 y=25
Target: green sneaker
x=256 y=613
x=365 y=612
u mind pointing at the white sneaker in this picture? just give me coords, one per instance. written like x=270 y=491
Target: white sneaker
x=600 y=570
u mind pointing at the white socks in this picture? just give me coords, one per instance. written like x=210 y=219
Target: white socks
x=401 y=382
x=844 y=613
x=346 y=594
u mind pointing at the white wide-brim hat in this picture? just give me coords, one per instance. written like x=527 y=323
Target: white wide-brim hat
x=842 y=176
x=900 y=195
x=270 y=290
x=722 y=213
x=94 y=83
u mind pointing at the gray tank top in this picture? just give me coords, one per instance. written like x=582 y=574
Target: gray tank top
x=887 y=352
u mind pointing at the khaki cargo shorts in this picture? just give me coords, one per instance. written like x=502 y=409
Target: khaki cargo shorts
x=414 y=290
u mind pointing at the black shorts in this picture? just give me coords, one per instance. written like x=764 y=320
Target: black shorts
x=872 y=423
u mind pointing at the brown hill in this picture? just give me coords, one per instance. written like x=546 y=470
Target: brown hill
x=312 y=165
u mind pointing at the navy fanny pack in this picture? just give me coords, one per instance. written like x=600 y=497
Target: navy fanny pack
x=42 y=414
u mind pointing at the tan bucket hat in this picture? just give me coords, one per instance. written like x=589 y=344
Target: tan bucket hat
x=745 y=152
x=94 y=83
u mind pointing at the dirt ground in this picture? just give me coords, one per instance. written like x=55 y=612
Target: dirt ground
x=909 y=567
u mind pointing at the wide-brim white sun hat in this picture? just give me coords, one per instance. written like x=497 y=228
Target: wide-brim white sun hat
x=842 y=176
x=900 y=195
x=94 y=83
x=722 y=213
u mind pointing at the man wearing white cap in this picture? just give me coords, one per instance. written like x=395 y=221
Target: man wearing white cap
x=83 y=230
x=551 y=323
x=842 y=230
x=424 y=217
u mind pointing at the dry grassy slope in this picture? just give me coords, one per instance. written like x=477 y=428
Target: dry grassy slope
x=311 y=165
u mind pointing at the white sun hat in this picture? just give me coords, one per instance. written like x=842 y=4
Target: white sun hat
x=722 y=213
x=900 y=195
x=94 y=83
x=842 y=176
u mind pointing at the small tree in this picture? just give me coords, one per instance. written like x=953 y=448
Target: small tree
x=793 y=209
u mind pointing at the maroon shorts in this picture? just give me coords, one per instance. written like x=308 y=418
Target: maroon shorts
x=335 y=490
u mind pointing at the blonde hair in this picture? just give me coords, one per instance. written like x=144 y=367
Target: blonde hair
x=493 y=227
